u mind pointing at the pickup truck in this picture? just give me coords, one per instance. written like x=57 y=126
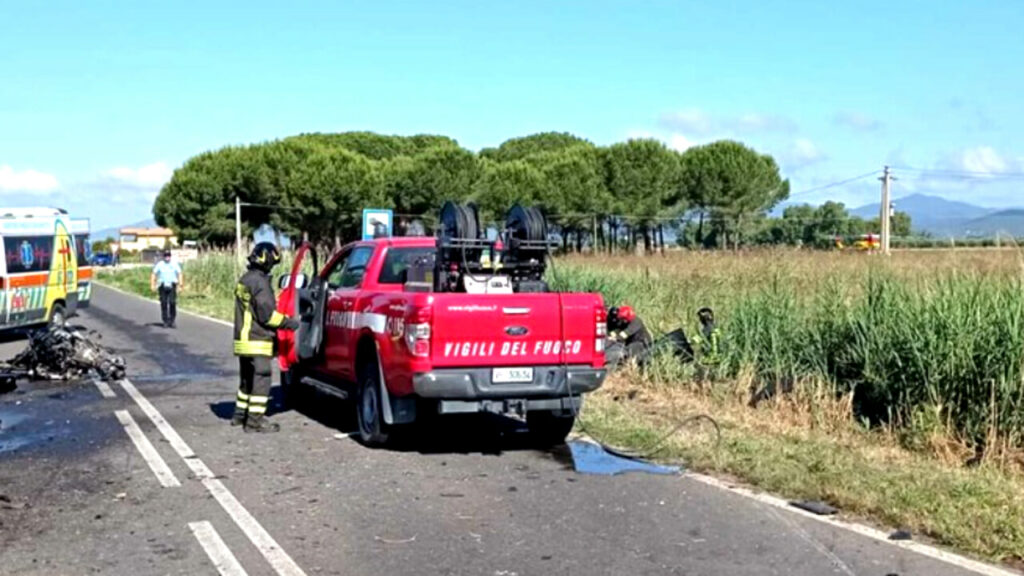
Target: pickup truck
x=403 y=351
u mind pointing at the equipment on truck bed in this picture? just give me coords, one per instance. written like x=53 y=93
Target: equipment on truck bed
x=513 y=261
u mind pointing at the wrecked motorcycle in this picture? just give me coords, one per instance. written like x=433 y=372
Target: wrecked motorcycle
x=62 y=352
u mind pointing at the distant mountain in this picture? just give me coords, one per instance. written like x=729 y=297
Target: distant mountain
x=113 y=232
x=931 y=213
x=1003 y=222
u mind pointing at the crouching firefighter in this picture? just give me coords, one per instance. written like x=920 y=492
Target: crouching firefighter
x=256 y=322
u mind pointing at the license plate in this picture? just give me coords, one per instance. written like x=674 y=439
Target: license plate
x=506 y=375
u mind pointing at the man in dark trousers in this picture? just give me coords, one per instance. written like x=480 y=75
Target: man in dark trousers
x=256 y=323
x=166 y=279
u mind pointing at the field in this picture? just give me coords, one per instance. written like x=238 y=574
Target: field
x=894 y=385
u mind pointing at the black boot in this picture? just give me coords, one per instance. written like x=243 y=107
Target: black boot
x=239 y=418
x=259 y=423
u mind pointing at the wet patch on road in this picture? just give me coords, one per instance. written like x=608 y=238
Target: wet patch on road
x=591 y=458
x=56 y=417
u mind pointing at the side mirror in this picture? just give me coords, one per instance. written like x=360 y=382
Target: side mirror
x=285 y=280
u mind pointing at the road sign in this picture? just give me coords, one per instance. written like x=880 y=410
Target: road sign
x=377 y=222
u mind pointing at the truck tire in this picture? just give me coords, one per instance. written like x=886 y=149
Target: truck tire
x=549 y=428
x=372 y=429
x=293 y=391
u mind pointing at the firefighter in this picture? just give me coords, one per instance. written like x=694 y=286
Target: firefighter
x=707 y=341
x=256 y=322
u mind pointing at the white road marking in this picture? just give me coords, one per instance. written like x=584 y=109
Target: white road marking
x=105 y=389
x=268 y=547
x=866 y=531
x=223 y=560
x=149 y=453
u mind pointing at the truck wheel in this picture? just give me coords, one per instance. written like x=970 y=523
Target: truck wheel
x=372 y=430
x=293 y=391
x=549 y=428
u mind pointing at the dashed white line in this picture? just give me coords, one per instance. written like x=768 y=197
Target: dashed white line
x=264 y=542
x=149 y=453
x=105 y=389
x=223 y=560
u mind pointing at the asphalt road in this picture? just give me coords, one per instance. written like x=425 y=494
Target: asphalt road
x=77 y=496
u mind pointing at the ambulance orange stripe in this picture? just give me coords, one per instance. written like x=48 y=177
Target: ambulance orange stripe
x=23 y=280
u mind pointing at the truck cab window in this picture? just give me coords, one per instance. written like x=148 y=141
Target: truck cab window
x=398 y=260
x=334 y=274
x=355 y=267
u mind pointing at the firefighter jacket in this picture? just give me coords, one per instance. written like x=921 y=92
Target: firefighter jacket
x=709 y=342
x=256 y=317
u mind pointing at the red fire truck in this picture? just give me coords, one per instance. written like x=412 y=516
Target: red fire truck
x=457 y=323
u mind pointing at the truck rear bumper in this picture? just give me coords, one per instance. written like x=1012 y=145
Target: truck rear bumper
x=476 y=384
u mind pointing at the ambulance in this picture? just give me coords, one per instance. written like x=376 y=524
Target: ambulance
x=45 y=274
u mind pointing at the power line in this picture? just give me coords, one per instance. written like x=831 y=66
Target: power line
x=834 y=184
x=966 y=174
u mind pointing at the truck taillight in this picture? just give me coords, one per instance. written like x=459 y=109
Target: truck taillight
x=417 y=332
x=600 y=329
x=417 y=338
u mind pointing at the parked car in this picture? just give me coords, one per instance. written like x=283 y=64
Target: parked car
x=102 y=259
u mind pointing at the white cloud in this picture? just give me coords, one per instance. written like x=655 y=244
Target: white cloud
x=680 y=143
x=700 y=123
x=984 y=160
x=802 y=153
x=26 y=181
x=857 y=121
x=152 y=175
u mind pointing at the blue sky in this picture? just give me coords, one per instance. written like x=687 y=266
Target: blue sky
x=100 y=101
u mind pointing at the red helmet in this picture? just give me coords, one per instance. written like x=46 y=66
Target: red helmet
x=626 y=313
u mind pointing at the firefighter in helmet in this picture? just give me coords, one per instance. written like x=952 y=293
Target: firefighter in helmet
x=256 y=323
x=707 y=342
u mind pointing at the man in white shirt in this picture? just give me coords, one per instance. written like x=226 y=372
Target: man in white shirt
x=166 y=279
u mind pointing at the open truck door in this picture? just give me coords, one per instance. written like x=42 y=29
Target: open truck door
x=302 y=297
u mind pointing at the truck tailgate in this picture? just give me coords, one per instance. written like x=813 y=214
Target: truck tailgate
x=513 y=330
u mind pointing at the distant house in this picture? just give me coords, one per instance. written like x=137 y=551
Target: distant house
x=141 y=239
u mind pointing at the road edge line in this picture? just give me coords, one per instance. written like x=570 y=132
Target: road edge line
x=274 y=554
x=932 y=552
x=157 y=302
x=156 y=462
x=216 y=550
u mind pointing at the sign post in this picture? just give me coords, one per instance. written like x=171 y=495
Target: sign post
x=377 y=223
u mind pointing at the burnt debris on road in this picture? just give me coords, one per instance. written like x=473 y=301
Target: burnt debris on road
x=62 y=352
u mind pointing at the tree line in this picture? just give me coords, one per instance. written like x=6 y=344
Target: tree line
x=624 y=195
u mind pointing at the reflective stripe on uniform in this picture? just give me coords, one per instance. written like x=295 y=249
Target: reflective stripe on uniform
x=242 y=396
x=258 y=404
x=242 y=400
x=254 y=348
x=276 y=319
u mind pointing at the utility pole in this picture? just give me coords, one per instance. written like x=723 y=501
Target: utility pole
x=238 y=230
x=886 y=210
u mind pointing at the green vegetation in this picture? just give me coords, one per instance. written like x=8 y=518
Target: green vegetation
x=602 y=198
